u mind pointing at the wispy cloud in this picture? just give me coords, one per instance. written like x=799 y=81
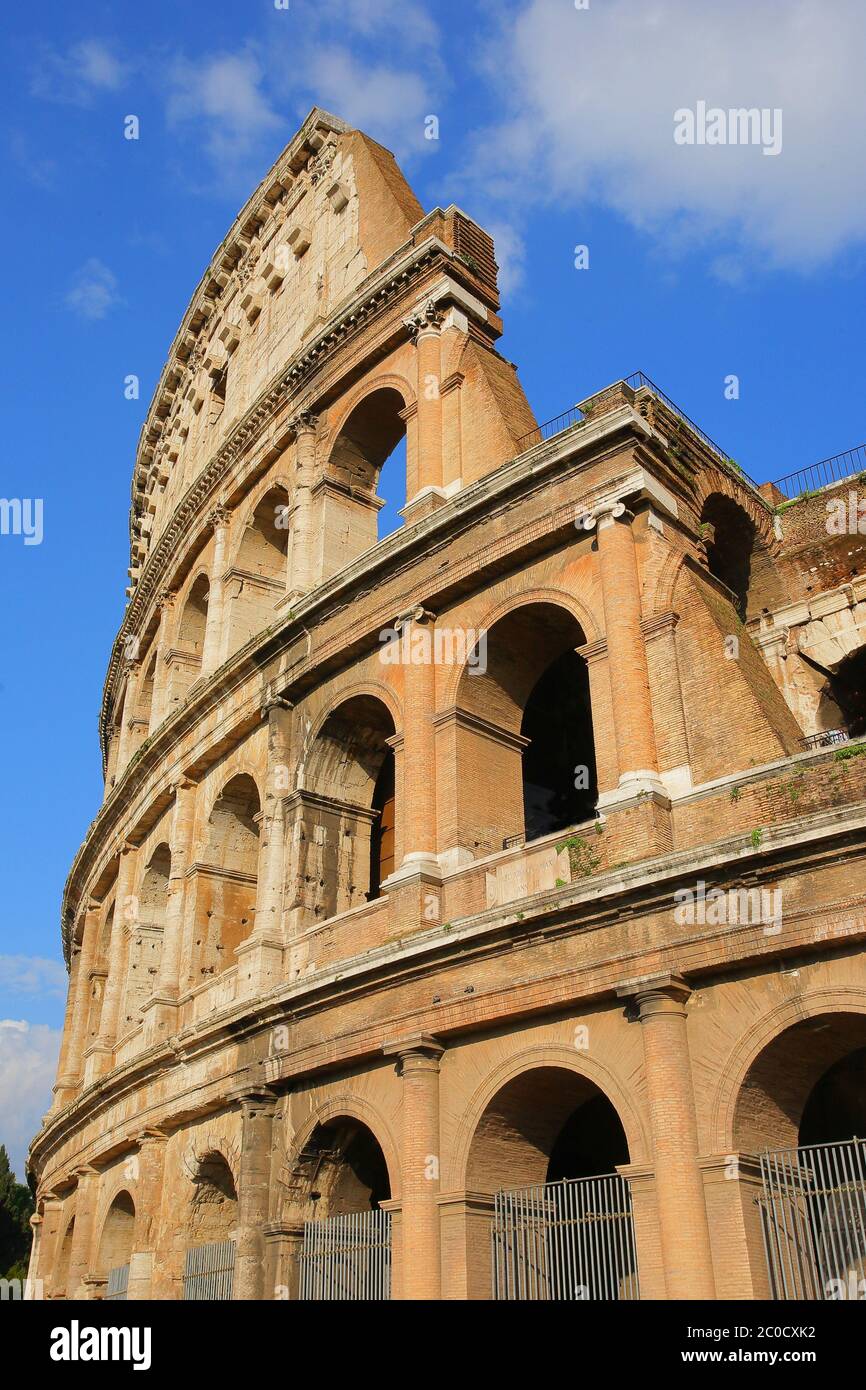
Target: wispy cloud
x=79 y=74
x=588 y=100
x=219 y=100
x=32 y=975
x=93 y=292
x=389 y=103
x=28 y=1064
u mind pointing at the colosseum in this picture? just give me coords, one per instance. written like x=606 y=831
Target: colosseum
x=475 y=912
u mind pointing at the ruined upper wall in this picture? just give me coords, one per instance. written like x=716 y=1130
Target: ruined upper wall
x=333 y=209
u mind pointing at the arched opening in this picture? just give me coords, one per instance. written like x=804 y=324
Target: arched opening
x=846 y=688
x=547 y=1147
x=802 y=1106
x=265 y=541
x=739 y=558
x=368 y=464
x=213 y=1212
x=529 y=734
x=384 y=805
x=259 y=577
x=115 y=1243
x=349 y=808
x=342 y=1169
x=225 y=896
x=819 y=1057
x=60 y=1278
x=145 y=690
x=193 y=620
x=145 y=945
x=560 y=787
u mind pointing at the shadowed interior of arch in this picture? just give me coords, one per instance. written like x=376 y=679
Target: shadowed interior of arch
x=369 y=458
x=342 y=1169
x=115 y=1243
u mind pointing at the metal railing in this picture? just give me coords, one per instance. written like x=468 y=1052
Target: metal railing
x=347 y=1258
x=813 y=1218
x=823 y=474
x=636 y=381
x=825 y=738
x=118 y=1284
x=208 y=1272
x=565 y=1241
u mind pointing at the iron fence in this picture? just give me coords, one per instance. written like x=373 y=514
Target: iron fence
x=824 y=473
x=565 y=1241
x=813 y=1217
x=347 y=1258
x=825 y=739
x=118 y=1284
x=208 y=1273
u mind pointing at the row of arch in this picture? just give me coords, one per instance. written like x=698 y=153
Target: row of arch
x=544 y=1122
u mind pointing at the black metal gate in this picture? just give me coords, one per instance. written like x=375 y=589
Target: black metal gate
x=813 y=1217
x=570 y=1240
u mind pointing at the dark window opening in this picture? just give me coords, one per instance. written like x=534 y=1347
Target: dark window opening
x=591 y=1143
x=847 y=687
x=560 y=785
x=382 y=834
x=836 y=1108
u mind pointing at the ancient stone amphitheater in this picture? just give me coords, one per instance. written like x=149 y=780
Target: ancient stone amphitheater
x=477 y=912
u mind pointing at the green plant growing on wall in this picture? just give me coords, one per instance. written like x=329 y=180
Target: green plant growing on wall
x=581 y=857
x=756 y=837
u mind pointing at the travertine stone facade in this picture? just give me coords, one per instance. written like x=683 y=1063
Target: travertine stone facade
x=379 y=910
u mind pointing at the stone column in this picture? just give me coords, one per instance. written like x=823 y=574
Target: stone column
x=47 y=1229
x=81 y=1254
x=302 y=576
x=418 y=1059
x=425 y=331
x=70 y=1066
x=417 y=631
x=663 y=667
x=149 y=1162
x=257 y=1108
x=213 y=634
x=626 y=651
x=163 y=646
x=260 y=957
x=125 y=917
x=161 y=1010
x=682 y=1212
x=125 y=750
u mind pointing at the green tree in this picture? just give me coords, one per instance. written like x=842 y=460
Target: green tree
x=16 y=1208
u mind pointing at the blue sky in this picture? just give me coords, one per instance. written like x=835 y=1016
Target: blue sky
x=555 y=129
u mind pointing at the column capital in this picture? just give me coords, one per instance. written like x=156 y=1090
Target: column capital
x=659 y=994
x=151 y=1134
x=220 y=515
x=602 y=513
x=424 y=321
x=272 y=703
x=165 y=599
x=253 y=1096
x=658 y=623
x=304 y=422
x=414 y=1047
x=416 y=614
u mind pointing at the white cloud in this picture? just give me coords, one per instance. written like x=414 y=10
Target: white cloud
x=588 y=99
x=93 y=291
x=28 y=1064
x=33 y=975
x=401 y=20
x=386 y=102
x=85 y=70
x=221 y=96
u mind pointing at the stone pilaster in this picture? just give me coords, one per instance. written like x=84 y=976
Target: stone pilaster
x=257 y=1108
x=69 y=1068
x=81 y=1254
x=150 y=1162
x=420 y=1266
x=425 y=330
x=160 y=1011
x=301 y=576
x=682 y=1211
x=125 y=917
x=212 y=652
x=260 y=957
x=158 y=705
